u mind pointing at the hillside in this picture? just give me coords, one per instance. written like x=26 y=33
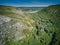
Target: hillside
x=48 y=20
x=20 y=28
x=14 y=25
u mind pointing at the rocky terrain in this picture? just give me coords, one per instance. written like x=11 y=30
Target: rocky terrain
x=14 y=24
x=20 y=28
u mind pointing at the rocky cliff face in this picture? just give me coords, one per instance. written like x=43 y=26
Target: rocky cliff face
x=14 y=24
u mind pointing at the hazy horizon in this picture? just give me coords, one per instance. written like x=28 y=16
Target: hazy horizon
x=29 y=3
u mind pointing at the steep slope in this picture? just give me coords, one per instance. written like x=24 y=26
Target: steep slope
x=14 y=25
x=48 y=25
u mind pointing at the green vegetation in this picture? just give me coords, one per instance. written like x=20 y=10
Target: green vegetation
x=48 y=20
x=40 y=28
